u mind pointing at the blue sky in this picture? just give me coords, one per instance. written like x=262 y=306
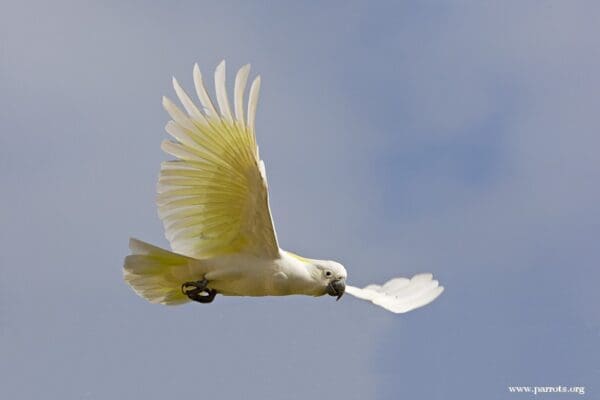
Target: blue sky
x=459 y=138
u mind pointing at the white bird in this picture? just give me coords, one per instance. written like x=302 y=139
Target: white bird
x=214 y=204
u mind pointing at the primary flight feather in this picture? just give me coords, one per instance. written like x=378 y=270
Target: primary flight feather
x=213 y=201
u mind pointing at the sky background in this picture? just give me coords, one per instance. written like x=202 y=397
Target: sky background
x=459 y=138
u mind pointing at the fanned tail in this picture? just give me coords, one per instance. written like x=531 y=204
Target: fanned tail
x=157 y=274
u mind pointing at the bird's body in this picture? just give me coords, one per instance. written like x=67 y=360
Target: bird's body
x=242 y=275
x=213 y=201
x=248 y=275
x=236 y=274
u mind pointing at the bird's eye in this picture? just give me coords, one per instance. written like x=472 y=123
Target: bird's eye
x=328 y=273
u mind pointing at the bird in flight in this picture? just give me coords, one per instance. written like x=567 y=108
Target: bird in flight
x=213 y=201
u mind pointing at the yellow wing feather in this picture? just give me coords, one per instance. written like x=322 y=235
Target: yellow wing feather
x=213 y=198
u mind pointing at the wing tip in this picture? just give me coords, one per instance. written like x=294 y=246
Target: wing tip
x=166 y=103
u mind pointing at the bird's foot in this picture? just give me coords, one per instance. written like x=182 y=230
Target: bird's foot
x=198 y=291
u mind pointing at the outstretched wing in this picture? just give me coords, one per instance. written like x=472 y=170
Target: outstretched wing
x=213 y=199
x=400 y=295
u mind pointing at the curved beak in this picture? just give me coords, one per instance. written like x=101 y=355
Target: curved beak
x=336 y=288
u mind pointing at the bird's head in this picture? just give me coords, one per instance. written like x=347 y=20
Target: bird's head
x=332 y=275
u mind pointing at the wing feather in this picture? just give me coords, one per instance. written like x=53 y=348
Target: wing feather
x=213 y=197
x=252 y=102
x=209 y=108
x=240 y=85
x=221 y=90
x=187 y=103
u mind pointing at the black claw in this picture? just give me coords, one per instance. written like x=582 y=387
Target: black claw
x=193 y=286
x=205 y=296
x=198 y=291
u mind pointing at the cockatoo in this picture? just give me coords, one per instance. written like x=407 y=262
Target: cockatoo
x=213 y=201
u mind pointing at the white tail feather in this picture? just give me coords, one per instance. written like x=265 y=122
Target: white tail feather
x=156 y=274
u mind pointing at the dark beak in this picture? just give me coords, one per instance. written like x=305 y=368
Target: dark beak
x=336 y=288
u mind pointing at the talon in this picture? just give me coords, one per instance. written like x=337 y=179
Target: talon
x=204 y=298
x=198 y=291
x=196 y=286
